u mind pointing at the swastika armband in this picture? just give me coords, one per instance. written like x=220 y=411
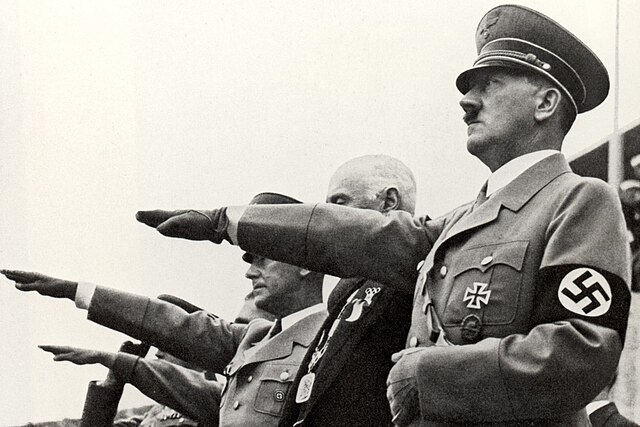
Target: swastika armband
x=584 y=292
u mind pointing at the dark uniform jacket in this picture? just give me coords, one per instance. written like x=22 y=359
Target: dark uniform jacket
x=608 y=416
x=183 y=390
x=349 y=388
x=259 y=371
x=530 y=285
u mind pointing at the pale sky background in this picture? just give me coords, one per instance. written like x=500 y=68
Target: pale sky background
x=110 y=107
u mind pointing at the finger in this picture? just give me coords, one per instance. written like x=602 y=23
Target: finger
x=20 y=276
x=55 y=349
x=156 y=217
x=185 y=226
x=29 y=286
x=64 y=357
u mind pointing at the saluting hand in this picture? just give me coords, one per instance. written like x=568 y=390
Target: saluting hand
x=80 y=356
x=188 y=224
x=44 y=285
x=402 y=391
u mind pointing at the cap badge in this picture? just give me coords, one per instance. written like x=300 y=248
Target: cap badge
x=490 y=20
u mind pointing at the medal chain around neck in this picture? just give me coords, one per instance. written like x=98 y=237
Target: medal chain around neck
x=321 y=347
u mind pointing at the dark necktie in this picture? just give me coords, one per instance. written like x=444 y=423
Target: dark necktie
x=482 y=196
x=276 y=328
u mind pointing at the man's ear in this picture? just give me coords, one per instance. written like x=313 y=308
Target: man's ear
x=548 y=102
x=390 y=199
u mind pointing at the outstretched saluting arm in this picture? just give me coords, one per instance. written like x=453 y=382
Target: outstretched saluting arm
x=327 y=238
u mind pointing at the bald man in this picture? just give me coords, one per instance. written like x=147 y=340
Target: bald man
x=342 y=380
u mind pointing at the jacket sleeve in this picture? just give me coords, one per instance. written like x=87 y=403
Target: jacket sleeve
x=185 y=390
x=555 y=369
x=338 y=240
x=200 y=337
x=572 y=349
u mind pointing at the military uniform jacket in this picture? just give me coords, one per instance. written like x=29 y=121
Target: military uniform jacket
x=259 y=371
x=350 y=380
x=530 y=285
x=183 y=390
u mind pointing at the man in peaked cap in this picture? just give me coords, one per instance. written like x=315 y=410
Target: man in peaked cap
x=260 y=360
x=527 y=283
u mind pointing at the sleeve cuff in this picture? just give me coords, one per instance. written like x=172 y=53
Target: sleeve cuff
x=234 y=213
x=84 y=293
x=124 y=366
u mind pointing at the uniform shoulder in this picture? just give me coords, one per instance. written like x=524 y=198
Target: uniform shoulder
x=591 y=187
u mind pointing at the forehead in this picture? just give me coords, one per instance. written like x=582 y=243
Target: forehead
x=349 y=180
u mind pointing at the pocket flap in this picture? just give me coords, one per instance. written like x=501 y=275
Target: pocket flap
x=283 y=373
x=484 y=257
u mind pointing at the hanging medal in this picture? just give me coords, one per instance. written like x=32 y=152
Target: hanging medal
x=305 y=387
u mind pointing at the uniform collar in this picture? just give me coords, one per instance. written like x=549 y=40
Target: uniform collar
x=513 y=168
x=289 y=320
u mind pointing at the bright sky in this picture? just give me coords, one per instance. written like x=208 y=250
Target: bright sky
x=112 y=107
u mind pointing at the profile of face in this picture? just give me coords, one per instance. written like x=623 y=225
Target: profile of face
x=276 y=286
x=499 y=111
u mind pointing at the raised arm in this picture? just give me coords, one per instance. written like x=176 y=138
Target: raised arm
x=332 y=239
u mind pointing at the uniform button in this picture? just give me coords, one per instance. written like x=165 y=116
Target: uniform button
x=486 y=260
x=284 y=376
x=249 y=378
x=425 y=307
x=236 y=404
x=420 y=264
x=443 y=270
x=413 y=341
x=279 y=396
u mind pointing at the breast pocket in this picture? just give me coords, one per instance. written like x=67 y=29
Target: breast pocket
x=275 y=383
x=487 y=281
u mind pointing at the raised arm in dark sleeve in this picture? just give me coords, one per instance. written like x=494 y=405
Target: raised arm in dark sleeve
x=200 y=337
x=185 y=390
x=338 y=240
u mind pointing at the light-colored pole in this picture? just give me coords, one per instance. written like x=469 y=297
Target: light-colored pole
x=616 y=149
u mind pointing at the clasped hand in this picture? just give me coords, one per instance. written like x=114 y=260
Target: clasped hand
x=402 y=390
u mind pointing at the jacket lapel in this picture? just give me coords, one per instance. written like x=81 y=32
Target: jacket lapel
x=281 y=346
x=342 y=345
x=513 y=197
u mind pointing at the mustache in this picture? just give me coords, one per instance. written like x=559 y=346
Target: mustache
x=470 y=117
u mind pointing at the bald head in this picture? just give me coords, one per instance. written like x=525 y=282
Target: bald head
x=378 y=182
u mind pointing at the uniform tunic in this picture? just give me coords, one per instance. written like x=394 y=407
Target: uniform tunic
x=530 y=285
x=259 y=370
x=370 y=323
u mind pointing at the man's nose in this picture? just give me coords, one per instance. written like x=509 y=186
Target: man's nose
x=252 y=273
x=470 y=102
